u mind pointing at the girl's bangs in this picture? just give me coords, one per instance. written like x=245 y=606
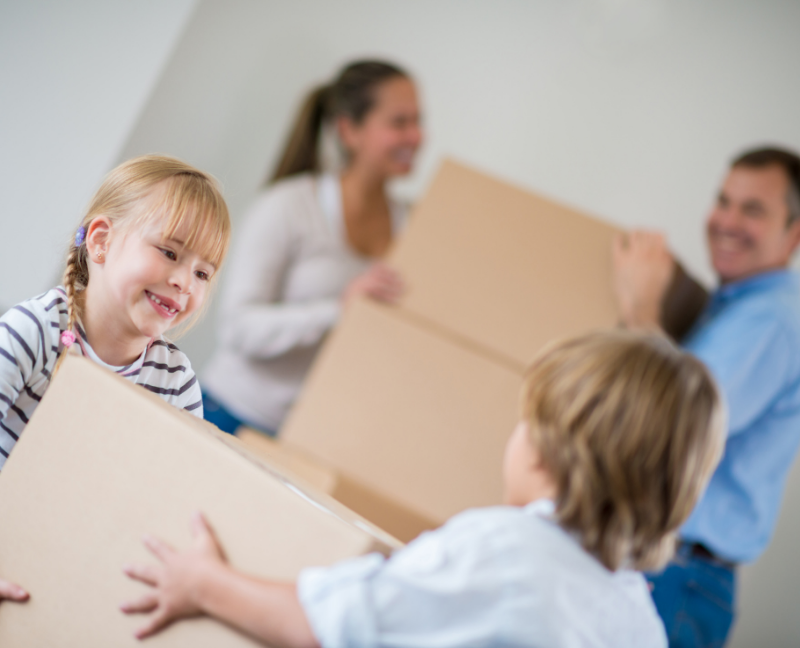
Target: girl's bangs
x=192 y=206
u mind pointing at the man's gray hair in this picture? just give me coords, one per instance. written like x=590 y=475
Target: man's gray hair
x=787 y=160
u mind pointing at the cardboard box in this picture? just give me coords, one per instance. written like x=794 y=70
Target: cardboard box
x=101 y=463
x=408 y=412
x=502 y=268
x=416 y=401
x=401 y=522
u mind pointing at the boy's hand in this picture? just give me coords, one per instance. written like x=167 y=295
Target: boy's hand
x=176 y=581
x=12 y=592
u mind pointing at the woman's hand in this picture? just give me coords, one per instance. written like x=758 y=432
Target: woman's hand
x=643 y=270
x=12 y=592
x=177 y=581
x=380 y=282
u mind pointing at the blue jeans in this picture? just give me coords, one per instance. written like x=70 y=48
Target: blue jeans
x=695 y=598
x=216 y=413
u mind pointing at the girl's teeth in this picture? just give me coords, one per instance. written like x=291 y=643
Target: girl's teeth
x=158 y=301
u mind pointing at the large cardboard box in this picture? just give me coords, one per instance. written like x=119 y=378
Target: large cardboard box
x=101 y=463
x=408 y=412
x=417 y=400
x=503 y=268
x=400 y=521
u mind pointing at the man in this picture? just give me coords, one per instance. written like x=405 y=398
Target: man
x=749 y=336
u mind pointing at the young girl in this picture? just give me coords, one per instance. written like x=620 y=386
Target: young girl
x=141 y=262
x=618 y=436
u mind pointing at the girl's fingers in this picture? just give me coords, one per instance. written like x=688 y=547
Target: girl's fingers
x=12 y=592
x=147 y=574
x=156 y=624
x=146 y=603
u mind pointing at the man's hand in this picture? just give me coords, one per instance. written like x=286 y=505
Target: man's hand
x=12 y=592
x=176 y=581
x=643 y=270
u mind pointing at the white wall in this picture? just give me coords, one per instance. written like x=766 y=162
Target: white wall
x=74 y=77
x=626 y=108
x=629 y=109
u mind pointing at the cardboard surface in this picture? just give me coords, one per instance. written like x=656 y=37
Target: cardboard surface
x=409 y=413
x=401 y=522
x=503 y=268
x=101 y=463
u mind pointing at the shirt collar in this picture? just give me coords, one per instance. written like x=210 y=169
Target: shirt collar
x=758 y=283
x=545 y=508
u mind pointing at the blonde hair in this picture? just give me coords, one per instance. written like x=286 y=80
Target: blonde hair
x=630 y=429
x=189 y=198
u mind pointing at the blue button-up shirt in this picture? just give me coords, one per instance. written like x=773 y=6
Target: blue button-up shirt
x=749 y=337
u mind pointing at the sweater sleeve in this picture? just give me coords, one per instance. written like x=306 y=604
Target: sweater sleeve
x=254 y=320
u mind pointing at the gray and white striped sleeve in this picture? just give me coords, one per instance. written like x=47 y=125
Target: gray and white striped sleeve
x=24 y=342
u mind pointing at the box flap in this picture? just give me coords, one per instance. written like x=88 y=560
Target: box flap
x=401 y=521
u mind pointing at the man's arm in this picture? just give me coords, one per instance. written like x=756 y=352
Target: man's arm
x=643 y=270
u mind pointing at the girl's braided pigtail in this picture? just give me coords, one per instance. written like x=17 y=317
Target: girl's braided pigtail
x=76 y=277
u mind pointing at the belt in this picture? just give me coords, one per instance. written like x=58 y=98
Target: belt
x=698 y=550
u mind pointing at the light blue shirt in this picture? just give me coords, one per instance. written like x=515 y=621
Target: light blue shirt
x=749 y=337
x=499 y=577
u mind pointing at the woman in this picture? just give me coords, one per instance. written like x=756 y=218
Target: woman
x=311 y=242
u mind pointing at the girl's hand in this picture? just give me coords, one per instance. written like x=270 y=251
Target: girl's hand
x=177 y=581
x=12 y=592
x=643 y=269
x=380 y=282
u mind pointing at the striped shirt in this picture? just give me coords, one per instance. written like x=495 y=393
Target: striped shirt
x=30 y=335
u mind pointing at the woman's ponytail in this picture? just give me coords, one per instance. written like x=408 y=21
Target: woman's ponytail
x=350 y=95
x=300 y=153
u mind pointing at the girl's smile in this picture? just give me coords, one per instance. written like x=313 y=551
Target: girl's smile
x=164 y=306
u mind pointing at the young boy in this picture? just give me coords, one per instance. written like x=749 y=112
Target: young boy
x=618 y=436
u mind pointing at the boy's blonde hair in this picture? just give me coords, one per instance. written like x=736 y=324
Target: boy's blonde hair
x=630 y=428
x=187 y=196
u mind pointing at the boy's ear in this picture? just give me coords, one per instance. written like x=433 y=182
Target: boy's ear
x=98 y=238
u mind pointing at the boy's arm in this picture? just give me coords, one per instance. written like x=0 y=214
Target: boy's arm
x=199 y=581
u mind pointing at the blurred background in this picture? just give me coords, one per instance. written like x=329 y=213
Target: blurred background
x=627 y=109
